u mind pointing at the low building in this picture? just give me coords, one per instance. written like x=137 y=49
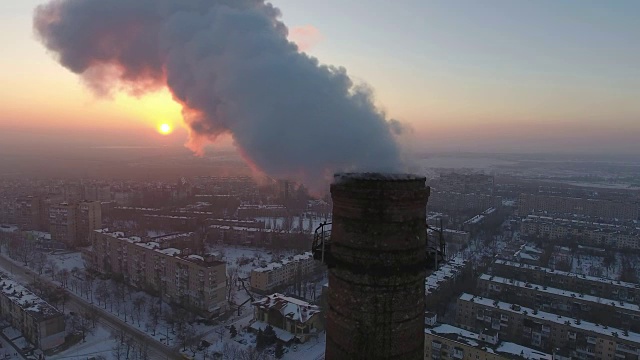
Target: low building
x=281 y=274
x=444 y=283
x=39 y=322
x=295 y=318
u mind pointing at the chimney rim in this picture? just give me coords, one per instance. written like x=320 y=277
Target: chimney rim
x=342 y=177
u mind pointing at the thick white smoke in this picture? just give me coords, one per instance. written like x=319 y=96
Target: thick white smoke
x=231 y=66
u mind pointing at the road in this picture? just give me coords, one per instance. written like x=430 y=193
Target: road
x=157 y=350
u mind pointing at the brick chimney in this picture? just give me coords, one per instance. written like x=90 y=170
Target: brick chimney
x=376 y=286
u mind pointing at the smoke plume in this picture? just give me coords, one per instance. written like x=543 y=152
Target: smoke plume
x=230 y=65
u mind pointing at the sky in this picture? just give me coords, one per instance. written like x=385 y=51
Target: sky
x=490 y=76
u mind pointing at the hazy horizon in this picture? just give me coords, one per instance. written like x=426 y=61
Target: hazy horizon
x=540 y=77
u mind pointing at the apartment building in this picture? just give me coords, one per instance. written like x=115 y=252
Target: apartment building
x=546 y=331
x=564 y=302
x=443 y=283
x=247 y=211
x=291 y=318
x=443 y=341
x=586 y=233
x=71 y=223
x=601 y=208
x=466 y=183
x=585 y=284
x=448 y=201
x=39 y=322
x=179 y=277
x=27 y=212
x=63 y=224
x=89 y=218
x=280 y=274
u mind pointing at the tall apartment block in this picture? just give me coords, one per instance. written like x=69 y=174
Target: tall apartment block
x=194 y=282
x=27 y=212
x=63 y=223
x=71 y=223
x=89 y=218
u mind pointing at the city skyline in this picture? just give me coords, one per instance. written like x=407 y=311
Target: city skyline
x=513 y=77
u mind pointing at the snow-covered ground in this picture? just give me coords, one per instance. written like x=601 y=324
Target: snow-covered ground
x=67 y=260
x=97 y=343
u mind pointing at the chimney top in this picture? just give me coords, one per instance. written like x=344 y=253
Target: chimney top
x=375 y=176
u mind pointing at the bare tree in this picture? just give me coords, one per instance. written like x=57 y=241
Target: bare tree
x=39 y=261
x=102 y=293
x=138 y=306
x=64 y=275
x=154 y=317
x=52 y=267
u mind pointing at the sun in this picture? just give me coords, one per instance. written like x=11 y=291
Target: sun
x=165 y=129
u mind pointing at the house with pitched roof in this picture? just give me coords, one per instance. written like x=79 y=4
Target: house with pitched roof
x=291 y=318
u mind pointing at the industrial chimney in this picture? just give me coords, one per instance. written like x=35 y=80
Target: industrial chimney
x=377 y=267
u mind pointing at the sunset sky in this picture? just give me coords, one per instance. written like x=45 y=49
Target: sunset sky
x=521 y=76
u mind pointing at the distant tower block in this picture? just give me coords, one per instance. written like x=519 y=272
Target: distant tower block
x=376 y=285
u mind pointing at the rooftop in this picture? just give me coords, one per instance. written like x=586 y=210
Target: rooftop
x=562 y=293
x=541 y=315
x=25 y=299
x=293 y=309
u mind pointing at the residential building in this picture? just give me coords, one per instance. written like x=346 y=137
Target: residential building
x=194 y=282
x=445 y=282
x=27 y=212
x=575 y=338
x=567 y=303
x=246 y=211
x=281 y=274
x=63 y=224
x=584 y=233
x=294 y=318
x=601 y=208
x=585 y=284
x=89 y=215
x=40 y=323
x=444 y=341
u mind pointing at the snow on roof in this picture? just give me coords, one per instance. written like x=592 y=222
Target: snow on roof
x=541 y=315
x=25 y=299
x=170 y=251
x=8 y=228
x=448 y=271
x=475 y=340
x=275 y=265
x=149 y=245
x=563 y=293
x=527 y=353
x=195 y=257
x=291 y=308
x=169 y=237
x=474 y=220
